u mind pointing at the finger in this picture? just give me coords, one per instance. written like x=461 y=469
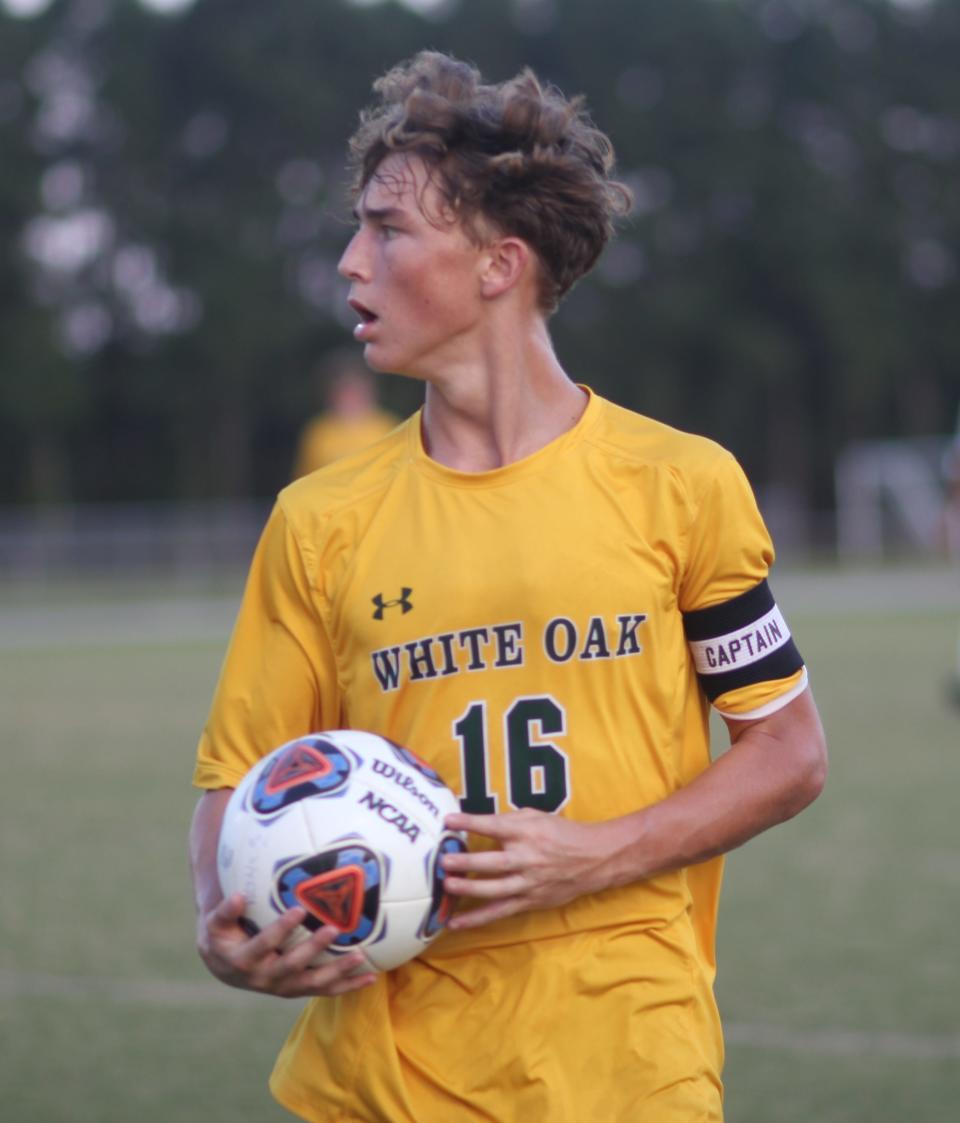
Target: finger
x=305 y=952
x=481 y=862
x=349 y=983
x=227 y=912
x=339 y=976
x=489 y=826
x=486 y=888
x=290 y=971
x=269 y=941
x=486 y=914
x=346 y=973
x=308 y=953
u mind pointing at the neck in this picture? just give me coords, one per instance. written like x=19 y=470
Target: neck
x=508 y=403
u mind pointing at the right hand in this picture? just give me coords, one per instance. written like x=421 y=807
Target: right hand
x=259 y=963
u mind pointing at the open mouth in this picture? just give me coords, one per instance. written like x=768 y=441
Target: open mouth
x=367 y=320
x=366 y=316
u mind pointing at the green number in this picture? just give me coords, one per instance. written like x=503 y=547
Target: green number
x=536 y=770
x=472 y=732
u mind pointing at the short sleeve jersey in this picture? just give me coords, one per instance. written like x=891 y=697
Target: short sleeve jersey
x=545 y=635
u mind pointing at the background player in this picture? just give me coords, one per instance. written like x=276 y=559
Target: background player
x=579 y=580
x=351 y=418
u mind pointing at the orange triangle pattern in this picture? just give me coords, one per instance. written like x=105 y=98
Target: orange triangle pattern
x=299 y=763
x=334 y=897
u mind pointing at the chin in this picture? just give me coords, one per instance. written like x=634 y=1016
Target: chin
x=376 y=358
x=380 y=360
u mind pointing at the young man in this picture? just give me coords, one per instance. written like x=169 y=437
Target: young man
x=538 y=592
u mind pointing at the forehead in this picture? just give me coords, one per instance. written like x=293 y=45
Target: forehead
x=402 y=182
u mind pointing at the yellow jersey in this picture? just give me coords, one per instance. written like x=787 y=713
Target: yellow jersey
x=545 y=635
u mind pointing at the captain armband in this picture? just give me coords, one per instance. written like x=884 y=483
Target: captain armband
x=741 y=642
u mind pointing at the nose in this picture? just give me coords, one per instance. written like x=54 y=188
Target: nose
x=351 y=264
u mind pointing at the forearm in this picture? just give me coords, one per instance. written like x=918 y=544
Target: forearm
x=204 y=839
x=764 y=779
x=774 y=768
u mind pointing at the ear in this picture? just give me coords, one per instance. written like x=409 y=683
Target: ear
x=506 y=261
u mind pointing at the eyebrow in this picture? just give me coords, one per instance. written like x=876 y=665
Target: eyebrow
x=377 y=214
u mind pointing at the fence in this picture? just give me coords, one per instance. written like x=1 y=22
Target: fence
x=889 y=504
x=175 y=539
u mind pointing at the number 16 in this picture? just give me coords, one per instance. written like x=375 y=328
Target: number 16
x=537 y=772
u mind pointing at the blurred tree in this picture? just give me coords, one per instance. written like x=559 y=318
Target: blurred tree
x=175 y=210
x=39 y=389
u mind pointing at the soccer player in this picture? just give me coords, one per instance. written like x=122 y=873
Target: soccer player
x=350 y=420
x=540 y=593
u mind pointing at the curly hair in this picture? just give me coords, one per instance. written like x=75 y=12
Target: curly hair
x=518 y=155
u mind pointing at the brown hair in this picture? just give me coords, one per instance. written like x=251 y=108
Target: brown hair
x=519 y=155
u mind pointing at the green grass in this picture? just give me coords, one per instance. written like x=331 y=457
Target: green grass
x=839 y=971
x=96 y=803
x=846 y=918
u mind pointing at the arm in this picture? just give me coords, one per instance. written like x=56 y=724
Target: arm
x=257 y=963
x=269 y=691
x=774 y=768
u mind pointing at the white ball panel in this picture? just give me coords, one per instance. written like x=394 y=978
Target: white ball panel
x=247 y=857
x=403 y=920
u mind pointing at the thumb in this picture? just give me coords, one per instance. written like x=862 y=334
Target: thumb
x=228 y=911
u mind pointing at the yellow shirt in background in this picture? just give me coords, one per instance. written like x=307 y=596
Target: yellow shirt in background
x=330 y=437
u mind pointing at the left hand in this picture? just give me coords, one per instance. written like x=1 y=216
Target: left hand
x=543 y=861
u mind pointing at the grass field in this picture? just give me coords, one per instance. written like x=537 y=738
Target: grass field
x=840 y=975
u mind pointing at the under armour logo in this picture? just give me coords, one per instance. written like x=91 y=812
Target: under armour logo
x=402 y=602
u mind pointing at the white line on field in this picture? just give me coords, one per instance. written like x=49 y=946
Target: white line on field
x=146 y=992
x=844 y=1042
x=170 y=620
x=178 y=618
x=210 y=995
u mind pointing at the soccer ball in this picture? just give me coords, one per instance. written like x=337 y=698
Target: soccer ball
x=349 y=826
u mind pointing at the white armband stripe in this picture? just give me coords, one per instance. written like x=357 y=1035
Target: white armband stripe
x=773 y=705
x=735 y=650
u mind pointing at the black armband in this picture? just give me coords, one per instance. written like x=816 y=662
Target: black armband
x=741 y=642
